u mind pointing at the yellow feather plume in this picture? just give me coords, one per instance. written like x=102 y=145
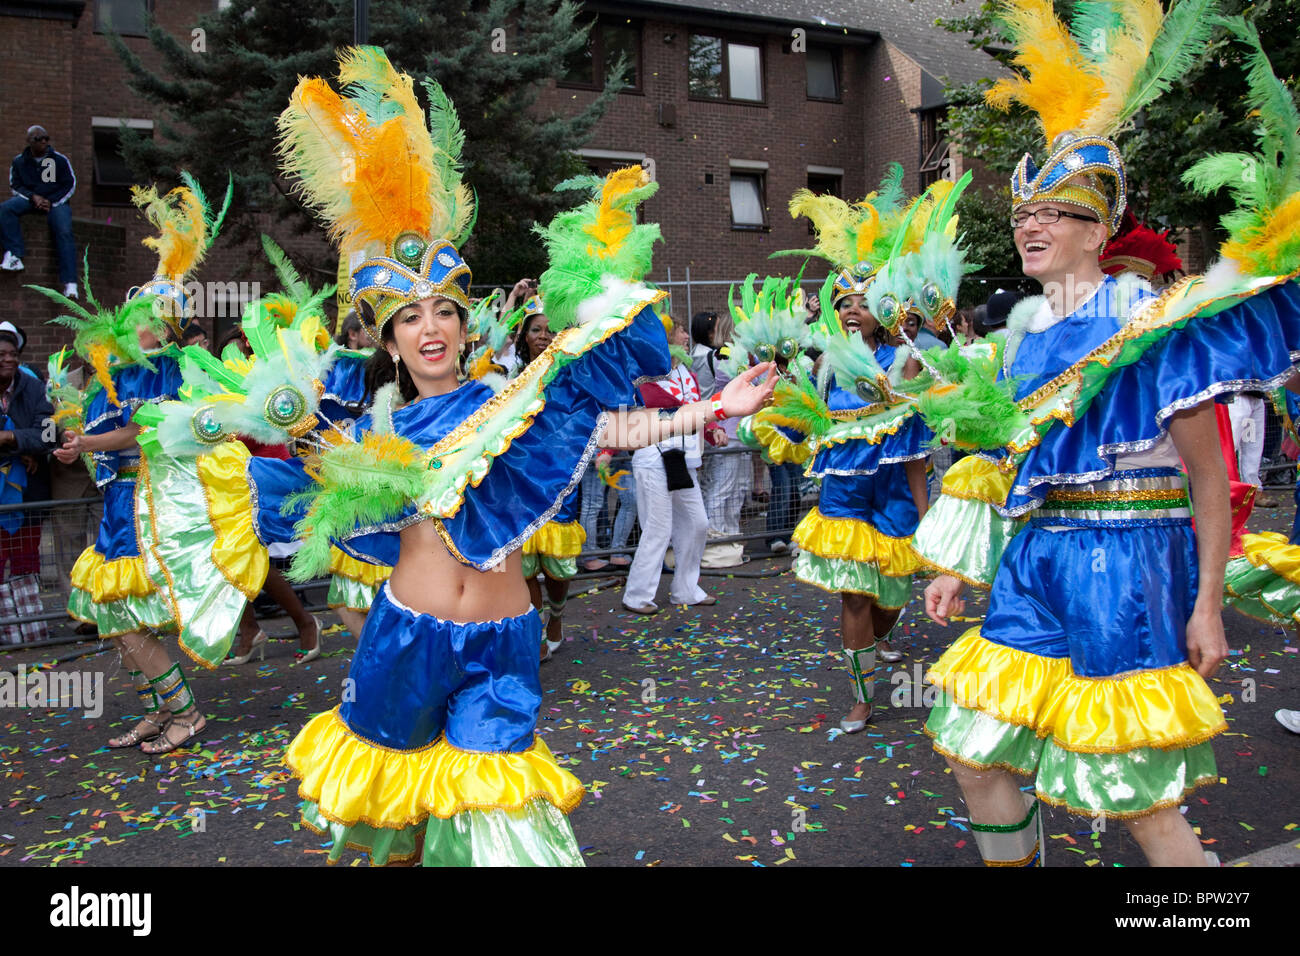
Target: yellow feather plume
x=1273 y=248
x=613 y=223
x=372 y=180
x=1127 y=51
x=182 y=233
x=929 y=203
x=1060 y=87
x=99 y=358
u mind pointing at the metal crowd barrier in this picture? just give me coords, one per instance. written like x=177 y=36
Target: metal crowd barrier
x=59 y=556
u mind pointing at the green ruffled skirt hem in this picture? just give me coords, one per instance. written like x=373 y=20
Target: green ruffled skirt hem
x=353 y=595
x=839 y=575
x=1261 y=593
x=131 y=613
x=557 y=569
x=1120 y=785
x=536 y=834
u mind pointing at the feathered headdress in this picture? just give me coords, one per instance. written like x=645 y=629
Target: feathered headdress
x=107 y=338
x=1264 y=229
x=770 y=324
x=489 y=331
x=1140 y=249
x=1086 y=83
x=854 y=237
x=390 y=187
x=298 y=303
x=595 y=245
x=927 y=263
x=186 y=231
x=271 y=396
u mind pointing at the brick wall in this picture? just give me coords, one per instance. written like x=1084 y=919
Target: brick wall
x=62 y=75
x=861 y=135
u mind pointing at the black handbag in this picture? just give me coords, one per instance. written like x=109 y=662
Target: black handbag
x=675 y=470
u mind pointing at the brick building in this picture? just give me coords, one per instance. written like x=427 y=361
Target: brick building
x=737 y=103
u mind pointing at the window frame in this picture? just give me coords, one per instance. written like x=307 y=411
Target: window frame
x=836 y=69
x=758 y=172
x=595 y=43
x=824 y=173
x=101 y=6
x=112 y=126
x=726 y=39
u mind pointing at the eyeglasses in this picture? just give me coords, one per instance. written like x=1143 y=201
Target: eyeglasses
x=1047 y=216
x=40 y=139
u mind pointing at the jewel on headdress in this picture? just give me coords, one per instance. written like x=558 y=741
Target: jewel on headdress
x=382 y=277
x=352 y=288
x=1073 y=161
x=409 y=249
x=424 y=288
x=446 y=260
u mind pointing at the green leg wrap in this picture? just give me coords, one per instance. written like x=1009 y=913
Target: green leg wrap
x=173 y=691
x=148 y=699
x=1012 y=844
x=862 y=672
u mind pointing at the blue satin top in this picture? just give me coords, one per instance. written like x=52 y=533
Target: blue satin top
x=525 y=486
x=136 y=386
x=1248 y=346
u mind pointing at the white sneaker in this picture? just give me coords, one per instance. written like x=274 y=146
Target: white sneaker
x=777 y=546
x=12 y=263
x=1290 y=719
x=70 y=290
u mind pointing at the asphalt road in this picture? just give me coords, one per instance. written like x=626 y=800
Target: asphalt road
x=704 y=736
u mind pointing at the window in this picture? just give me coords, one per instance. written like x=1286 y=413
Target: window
x=824 y=181
x=605 y=44
x=719 y=69
x=935 y=162
x=130 y=18
x=113 y=179
x=823 y=74
x=602 y=162
x=748 y=196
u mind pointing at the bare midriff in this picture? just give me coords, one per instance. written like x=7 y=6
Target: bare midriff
x=429 y=580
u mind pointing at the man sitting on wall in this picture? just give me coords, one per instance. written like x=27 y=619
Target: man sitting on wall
x=42 y=181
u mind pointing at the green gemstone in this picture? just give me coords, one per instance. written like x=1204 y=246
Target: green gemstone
x=409 y=249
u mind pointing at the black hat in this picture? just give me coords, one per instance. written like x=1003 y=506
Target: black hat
x=1000 y=305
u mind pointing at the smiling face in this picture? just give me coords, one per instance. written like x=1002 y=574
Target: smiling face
x=537 y=335
x=855 y=317
x=1051 y=252
x=426 y=336
x=8 y=362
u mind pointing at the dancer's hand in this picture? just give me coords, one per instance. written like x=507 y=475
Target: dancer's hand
x=1207 y=645
x=943 y=598
x=72 y=448
x=742 y=397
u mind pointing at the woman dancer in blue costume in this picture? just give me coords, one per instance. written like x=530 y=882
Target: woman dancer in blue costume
x=869 y=445
x=433 y=756
x=135 y=366
x=1089 y=673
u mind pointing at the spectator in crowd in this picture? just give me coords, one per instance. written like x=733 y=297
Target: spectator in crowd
x=724 y=479
x=42 y=182
x=351 y=336
x=195 y=334
x=996 y=311
x=26 y=440
x=1246 y=412
x=668 y=501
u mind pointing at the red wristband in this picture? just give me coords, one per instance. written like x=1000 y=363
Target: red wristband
x=716 y=408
